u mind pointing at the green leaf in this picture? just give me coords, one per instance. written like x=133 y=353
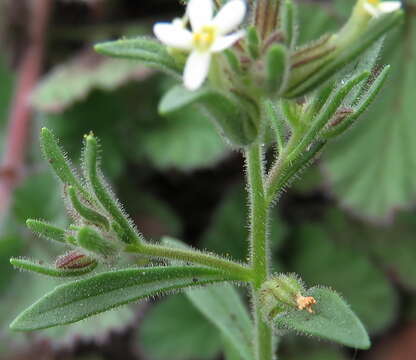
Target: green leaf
x=230 y=113
x=394 y=248
x=371 y=169
x=320 y=259
x=102 y=191
x=58 y=161
x=276 y=68
x=46 y=230
x=90 y=215
x=317 y=354
x=78 y=300
x=332 y=320
x=222 y=305
x=73 y=81
x=182 y=332
x=145 y=50
x=29 y=265
x=185 y=140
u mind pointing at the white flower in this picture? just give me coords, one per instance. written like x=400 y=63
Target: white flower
x=209 y=35
x=376 y=7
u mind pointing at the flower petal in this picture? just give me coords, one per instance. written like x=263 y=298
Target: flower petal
x=173 y=35
x=200 y=13
x=196 y=69
x=224 y=42
x=230 y=16
x=389 y=6
x=371 y=9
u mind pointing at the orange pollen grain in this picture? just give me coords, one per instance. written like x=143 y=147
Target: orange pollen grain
x=305 y=303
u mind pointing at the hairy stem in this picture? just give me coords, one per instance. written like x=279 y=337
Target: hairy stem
x=240 y=271
x=259 y=247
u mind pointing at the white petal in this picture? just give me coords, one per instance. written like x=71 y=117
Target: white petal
x=230 y=16
x=196 y=69
x=371 y=9
x=173 y=35
x=389 y=6
x=200 y=13
x=224 y=42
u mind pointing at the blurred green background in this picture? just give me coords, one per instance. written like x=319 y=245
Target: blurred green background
x=343 y=224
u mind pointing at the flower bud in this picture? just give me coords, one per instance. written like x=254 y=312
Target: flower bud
x=283 y=293
x=91 y=240
x=318 y=61
x=74 y=260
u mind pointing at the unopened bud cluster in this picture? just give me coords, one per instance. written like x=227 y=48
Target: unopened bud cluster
x=100 y=229
x=282 y=293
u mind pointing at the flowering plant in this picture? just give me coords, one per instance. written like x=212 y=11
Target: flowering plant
x=244 y=68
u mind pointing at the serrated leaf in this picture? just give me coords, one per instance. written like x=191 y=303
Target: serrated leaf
x=323 y=260
x=332 y=320
x=182 y=332
x=371 y=168
x=73 y=81
x=78 y=300
x=146 y=50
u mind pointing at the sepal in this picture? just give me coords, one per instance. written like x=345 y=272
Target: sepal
x=233 y=114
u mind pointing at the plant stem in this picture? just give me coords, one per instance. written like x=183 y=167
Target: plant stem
x=240 y=271
x=259 y=247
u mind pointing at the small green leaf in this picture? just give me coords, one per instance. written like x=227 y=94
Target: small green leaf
x=253 y=42
x=230 y=113
x=276 y=68
x=46 y=230
x=91 y=240
x=346 y=269
x=222 y=305
x=84 y=211
x=102 y=192
x=332 y=320
x=78 y=300
x=194 y=337
x=146 y=50
x=289 y=23
x=29 y=265
x=58 y=161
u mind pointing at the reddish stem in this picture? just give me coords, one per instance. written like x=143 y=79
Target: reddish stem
x=29 y=70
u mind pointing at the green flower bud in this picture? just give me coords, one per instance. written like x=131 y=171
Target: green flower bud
x=318 y=61
x=91 y=240
x=283 y=293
